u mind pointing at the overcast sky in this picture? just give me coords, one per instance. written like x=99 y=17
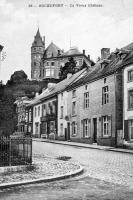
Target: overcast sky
x=89 y=28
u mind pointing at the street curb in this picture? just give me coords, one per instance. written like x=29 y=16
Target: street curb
x=43 y=180
x=88 y=147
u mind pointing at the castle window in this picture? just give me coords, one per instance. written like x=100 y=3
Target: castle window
x=48 y=72
x=52 y=63
x=52 y=72
x=34 y=63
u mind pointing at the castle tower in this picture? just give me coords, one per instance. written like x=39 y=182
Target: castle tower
x=37 y=51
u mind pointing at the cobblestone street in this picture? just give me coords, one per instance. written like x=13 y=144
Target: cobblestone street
x=108 y=176
x=113 y=167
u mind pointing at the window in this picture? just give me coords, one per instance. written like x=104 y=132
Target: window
x=52 y=126
x=105 y=95
x=130 y=129
x=61 y=110
x=130 y=75
x=73 y=108
x=104 y=80
x=30 y=115
x=105 y=125
x=73 y=93
x=36 y=128
x=86 y=87
x=26 y=116
x=52 y=63
x=80 y=62
x=130 y=99
x=86 y=128
x=35 y=111
x=74 y=128
x=44 y=110
x=52 y=72
x=48 y=72
x=61 y=129
x=34 y=63
x=38 y=110
x=86 y=100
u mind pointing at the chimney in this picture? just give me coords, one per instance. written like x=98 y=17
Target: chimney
x=83 y=51
x=105 y=52
x=58 y=52
x=89 y=57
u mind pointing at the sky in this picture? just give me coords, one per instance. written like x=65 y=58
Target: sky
x=89 y=28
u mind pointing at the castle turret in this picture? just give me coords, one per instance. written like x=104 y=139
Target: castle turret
x=37 y=51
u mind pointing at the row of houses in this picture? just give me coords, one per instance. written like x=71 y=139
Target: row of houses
x=95 y=105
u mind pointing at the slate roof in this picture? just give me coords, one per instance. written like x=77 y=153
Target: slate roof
x=72 y=51
x=53 y=49
x=97 y=72
x=59 y=87
x=38 y=40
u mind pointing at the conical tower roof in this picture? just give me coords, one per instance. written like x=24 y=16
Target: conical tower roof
x=38 y=34
x=38 y=40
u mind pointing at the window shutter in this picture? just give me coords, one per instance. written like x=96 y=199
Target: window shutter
x=110 y=125
x=126 y=136
x=40 y=128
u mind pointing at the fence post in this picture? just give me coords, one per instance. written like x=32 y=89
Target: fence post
x=10 y=153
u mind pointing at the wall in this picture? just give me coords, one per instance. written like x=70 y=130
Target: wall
x=62 y=101
x=128 y=114
x=95 y=110
x=36 y=119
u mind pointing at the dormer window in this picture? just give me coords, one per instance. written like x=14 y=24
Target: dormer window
x=123 y=53
x=104 y=63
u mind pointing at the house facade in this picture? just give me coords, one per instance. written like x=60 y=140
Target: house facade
x=49 y=118
x=63 y=116
x=37 y=113
x=22 y=116
x=92 y=112
x=128 y=102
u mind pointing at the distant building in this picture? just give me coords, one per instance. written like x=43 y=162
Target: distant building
x=22 y=116
x=46 y=62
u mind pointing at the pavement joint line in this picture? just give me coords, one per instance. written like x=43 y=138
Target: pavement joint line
x=43 y=180
x=80 y=146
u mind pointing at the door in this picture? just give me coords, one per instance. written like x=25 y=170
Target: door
x=95 y=129
x=68 y=131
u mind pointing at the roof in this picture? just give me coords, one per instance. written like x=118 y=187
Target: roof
x=98 y=71
x=59 y=87
x=38 y=39
x=38 y=33
x=72 y=51
x=52 y=49
x=129 y=46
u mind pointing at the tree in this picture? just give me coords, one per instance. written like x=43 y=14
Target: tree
x=70 y=67
x=17 y=77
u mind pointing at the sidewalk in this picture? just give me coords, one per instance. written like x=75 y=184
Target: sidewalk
x=83 y=145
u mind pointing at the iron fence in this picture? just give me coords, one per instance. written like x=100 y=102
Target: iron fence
x=15 y=150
